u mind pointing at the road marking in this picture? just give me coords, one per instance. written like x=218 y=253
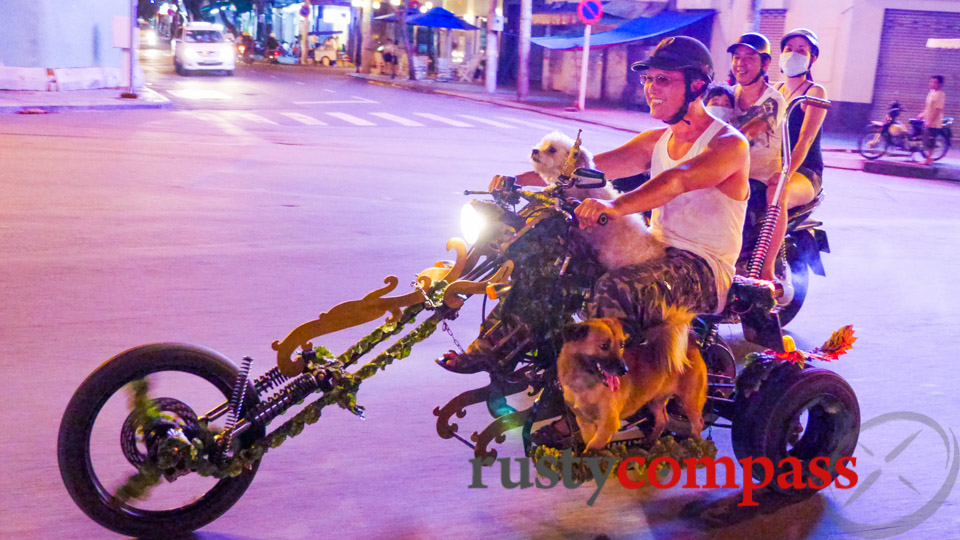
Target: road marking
x=525 y=123
x=304 y=119
x=356 y=99
x=441 y=119
x=254 y=117
x=199 y=93
x=493 y=123
x=350 y=118
x=397 y=119
x=224 y=124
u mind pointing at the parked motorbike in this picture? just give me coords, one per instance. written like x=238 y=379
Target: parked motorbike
x=882 y=138
x=188 y=415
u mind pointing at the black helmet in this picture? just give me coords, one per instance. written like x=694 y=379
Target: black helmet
x=679 y=53
x=805 y=33
x=757 y=42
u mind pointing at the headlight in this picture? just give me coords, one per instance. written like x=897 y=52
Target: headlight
x=472 y=223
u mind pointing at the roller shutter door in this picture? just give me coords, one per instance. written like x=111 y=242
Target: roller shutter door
x=905 y=63
x=772 y=25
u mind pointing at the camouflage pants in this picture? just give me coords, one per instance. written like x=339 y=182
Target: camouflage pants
x=636 y=292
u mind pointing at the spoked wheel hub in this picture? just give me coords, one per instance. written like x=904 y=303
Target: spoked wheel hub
x=163 y=440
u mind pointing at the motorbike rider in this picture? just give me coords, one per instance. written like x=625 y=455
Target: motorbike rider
x=698 y=193
x=799 y=49
x=271 y=45
x=248 y=46
x=758 y=113
x=758 y=108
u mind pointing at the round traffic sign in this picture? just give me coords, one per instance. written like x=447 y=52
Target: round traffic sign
x=589 y=11
x=305 y=10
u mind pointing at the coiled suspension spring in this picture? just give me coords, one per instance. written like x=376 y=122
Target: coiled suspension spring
x=293 y=392
x=269 y=380
x=763 y=242
x=237 y=397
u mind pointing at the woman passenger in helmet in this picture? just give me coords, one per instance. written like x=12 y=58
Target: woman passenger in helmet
x=799 y=49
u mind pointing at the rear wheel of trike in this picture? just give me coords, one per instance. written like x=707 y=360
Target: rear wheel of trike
x=184 y=381
x=803 y=414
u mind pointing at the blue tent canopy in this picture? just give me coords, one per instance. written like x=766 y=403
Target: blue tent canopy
x=635 y=30
x=435 y=18
x=441 y=18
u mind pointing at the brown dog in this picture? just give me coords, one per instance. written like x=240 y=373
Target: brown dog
x=605 y=382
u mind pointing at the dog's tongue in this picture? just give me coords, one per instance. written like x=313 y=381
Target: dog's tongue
x=612 y=381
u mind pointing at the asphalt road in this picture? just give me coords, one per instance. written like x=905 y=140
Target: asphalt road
x=260 y=200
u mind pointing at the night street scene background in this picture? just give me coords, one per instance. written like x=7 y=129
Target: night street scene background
x=223 y=207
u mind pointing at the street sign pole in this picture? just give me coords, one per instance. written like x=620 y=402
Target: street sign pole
x=589 y=12
x=584 y=68
x=131 y=92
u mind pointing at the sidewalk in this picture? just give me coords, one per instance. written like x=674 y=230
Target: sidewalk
x=839 y=150
x=29 y=102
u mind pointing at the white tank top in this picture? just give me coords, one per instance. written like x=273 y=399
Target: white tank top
x=705 y=221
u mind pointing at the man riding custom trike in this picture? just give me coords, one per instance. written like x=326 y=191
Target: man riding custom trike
x=193 y=426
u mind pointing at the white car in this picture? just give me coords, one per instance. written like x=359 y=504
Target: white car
x=202 y=46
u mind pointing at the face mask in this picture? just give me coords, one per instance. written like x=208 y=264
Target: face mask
x=794 y=64
x=721 y=113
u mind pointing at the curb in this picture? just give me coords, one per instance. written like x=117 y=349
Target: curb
x=155 y=101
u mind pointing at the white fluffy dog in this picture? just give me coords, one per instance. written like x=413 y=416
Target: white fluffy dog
x=621 y=242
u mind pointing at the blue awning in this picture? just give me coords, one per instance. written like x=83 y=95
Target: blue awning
x=635 y=30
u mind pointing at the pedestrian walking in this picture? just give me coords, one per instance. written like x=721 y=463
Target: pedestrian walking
x=932 y=115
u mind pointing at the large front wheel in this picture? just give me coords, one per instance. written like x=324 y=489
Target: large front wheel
x=184 y=382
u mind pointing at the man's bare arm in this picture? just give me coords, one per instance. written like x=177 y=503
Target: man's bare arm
x=627 y=160
x=724 y=156
x=631 y=158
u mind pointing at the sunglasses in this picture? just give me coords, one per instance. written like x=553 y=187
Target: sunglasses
x=657 y=80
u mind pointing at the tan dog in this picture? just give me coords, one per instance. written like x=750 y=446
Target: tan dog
x=605 y=382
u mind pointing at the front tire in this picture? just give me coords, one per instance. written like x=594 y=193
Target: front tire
x=82 y=476
x=872 y=144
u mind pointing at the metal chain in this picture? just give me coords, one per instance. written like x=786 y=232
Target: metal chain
x=426 y=296
x=456 y=342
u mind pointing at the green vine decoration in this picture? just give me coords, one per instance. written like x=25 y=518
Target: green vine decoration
x=176 y=453
x=694 y=448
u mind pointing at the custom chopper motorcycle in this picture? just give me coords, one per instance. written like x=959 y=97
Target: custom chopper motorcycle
x=192 y=426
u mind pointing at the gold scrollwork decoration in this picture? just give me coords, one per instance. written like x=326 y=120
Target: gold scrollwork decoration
x=451 y=299
x=356 y=312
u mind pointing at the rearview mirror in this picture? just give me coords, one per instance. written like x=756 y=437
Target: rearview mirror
x=589 y=178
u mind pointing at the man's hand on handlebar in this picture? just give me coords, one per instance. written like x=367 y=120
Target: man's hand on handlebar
x=593 y=212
